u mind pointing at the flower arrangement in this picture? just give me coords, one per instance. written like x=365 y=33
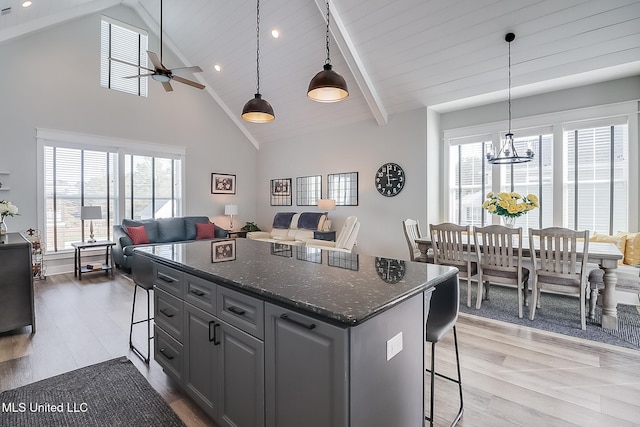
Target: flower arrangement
x=511 y=205
x=7 y=209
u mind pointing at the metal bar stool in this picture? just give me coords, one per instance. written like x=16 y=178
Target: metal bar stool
x=142 y=271
x=442 y=317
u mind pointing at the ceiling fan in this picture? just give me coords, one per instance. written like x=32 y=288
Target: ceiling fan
x=161 y=73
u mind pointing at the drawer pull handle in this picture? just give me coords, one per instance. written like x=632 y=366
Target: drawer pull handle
x=297 y=322
x=166 y=278
x=214 y=338
x=166 y=313
x=236 y=310
x=162 y=351
x=197 y=292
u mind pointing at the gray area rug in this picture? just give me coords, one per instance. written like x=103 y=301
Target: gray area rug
x=111 y=393
x=559 y=313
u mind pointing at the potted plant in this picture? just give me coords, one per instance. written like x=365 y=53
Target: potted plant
x=250 y=226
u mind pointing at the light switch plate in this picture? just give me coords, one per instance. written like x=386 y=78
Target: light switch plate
x=394 y=346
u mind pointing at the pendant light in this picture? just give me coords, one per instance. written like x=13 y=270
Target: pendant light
x=508 y=153
x=258 y=110
x=327 y=85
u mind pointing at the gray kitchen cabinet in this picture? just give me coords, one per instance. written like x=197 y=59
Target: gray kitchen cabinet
x=224 y=370
x=16 y=285
x=306 y=370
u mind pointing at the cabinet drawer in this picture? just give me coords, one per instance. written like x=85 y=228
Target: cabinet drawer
x=169 y=313
x=241 y=311
x=201 y=293
x=169 y=280
x=169 y=354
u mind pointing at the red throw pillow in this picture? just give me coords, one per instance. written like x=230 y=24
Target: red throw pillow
x=205 y=231
x=138 y=235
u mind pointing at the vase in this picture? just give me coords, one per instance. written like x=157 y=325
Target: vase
x=509 y=221
x=3 y=227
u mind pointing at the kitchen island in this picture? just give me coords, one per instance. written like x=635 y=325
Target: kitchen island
x=268 y=334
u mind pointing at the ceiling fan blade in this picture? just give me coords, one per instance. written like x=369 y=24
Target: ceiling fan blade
x=194 y=69
x=167 y=86
x=187 y=82
x=139 y=76
x=156 y=61
x=132 y=65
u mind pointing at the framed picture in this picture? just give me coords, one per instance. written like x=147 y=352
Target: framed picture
x=223 y=183
x=223 y=250
x=281 y=192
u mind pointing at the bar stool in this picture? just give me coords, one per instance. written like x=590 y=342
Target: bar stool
x=442 y=317
x=142 y=272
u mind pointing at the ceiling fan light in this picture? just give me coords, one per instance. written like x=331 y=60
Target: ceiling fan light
x=162 y=78
x=327 y=86
x=258 y=110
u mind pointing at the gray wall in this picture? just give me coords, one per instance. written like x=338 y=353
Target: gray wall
x=361 y=148
x=51 y=79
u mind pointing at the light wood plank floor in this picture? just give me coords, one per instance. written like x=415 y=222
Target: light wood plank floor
x=512 y=376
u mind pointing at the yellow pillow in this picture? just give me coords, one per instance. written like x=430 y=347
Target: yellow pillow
x=619 y=239
x=632 y=248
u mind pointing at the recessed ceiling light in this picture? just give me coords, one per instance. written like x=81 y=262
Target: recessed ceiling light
x=217 y=67
x=26 y=3
x=275 y=33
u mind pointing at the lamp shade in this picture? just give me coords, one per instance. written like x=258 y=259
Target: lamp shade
x=327 y=86
x=258 y=110
x=231 y=209
x=326 y=204
x=90 y=212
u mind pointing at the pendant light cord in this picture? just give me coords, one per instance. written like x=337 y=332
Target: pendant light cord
x=160 y=31
x=509 y=87
x=328 y=60
x=258 y=46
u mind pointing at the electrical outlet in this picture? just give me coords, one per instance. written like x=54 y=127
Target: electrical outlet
x=394 y=346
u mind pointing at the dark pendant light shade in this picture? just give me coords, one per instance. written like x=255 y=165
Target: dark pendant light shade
x=327 y=85
x=258 y=110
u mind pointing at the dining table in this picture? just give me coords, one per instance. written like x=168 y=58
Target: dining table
x=605 y=255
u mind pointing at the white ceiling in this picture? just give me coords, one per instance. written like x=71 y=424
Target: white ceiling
x=396 y=55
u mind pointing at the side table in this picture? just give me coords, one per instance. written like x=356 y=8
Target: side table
x=237 y=233
x=78 y=268
x=325 y=235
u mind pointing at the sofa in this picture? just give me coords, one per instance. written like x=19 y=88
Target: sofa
x=291 y=228
x=159 y=231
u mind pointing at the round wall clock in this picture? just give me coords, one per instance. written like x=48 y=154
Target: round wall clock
x=390 y=270
x=390 y=179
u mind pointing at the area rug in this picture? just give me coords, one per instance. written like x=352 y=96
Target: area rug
x=111 y=393
x=559 y=313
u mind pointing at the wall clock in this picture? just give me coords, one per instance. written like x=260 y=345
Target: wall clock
x=390 y=270
x=390 y=179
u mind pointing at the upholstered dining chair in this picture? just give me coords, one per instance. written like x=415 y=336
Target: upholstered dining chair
x=411 y=228
x=499 y=252
x=451 y=247
x=559 y=265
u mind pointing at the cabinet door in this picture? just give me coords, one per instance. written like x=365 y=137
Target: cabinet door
x=306 y=371
x=241 y=379
x=201 y=358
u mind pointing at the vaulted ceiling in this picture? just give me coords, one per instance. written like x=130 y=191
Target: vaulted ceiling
x=396 y=55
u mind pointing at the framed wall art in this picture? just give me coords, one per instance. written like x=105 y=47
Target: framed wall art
x=308 y=190
x=223 y=183
x=281 y=192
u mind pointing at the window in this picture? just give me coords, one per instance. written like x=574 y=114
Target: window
x=470 y=183
x=75 y=173
x=596 y=178
x=126 y=43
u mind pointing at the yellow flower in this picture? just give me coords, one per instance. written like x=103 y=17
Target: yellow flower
x=492 y=208
x=489 y=194
x=504 y=196
x=485 y=205
x=512 y=209
x=516 y=195
x=504 y=204
x=533 y=198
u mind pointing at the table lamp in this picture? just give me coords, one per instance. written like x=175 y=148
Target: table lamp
x=326 y=205
x=90 y=213
x=231 y=210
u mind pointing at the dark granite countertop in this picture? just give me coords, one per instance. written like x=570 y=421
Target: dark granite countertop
x=338 y=287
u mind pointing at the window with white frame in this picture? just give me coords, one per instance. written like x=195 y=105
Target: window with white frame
x=122 y=183
x=125 y=43
x=580 y=172
x=596 y=178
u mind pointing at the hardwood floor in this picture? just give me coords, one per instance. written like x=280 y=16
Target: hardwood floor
x=512 y=376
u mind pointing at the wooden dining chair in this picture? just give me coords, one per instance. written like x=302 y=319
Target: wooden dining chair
x=558 y=265
x=499 y=252
x=451 y=248
x=411 y=228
